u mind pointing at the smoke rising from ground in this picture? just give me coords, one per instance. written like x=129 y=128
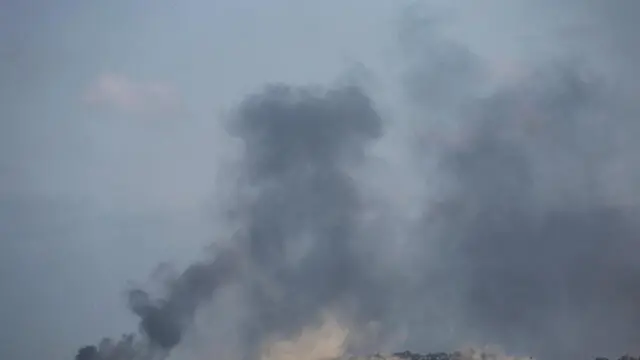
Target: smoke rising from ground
x=529 y=242
x=328 y=341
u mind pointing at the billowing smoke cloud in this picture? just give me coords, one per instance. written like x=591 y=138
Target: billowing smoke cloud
x=528 y=242
x=538 y=219
x=297 y=227
x=303 y=221
x=163 y=321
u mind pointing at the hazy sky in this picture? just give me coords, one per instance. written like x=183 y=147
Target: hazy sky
x=111 y=140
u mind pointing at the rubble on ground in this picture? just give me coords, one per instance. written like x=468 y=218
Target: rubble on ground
x=470 y=354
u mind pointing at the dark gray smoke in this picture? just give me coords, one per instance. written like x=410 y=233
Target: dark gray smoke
x=529 y=241
x=164 y=320
x=304 y=219
x=538 y=224
x=299 y=145
x=538 y=245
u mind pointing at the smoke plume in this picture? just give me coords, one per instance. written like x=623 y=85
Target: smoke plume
x=528 y=226
x=327 y=341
